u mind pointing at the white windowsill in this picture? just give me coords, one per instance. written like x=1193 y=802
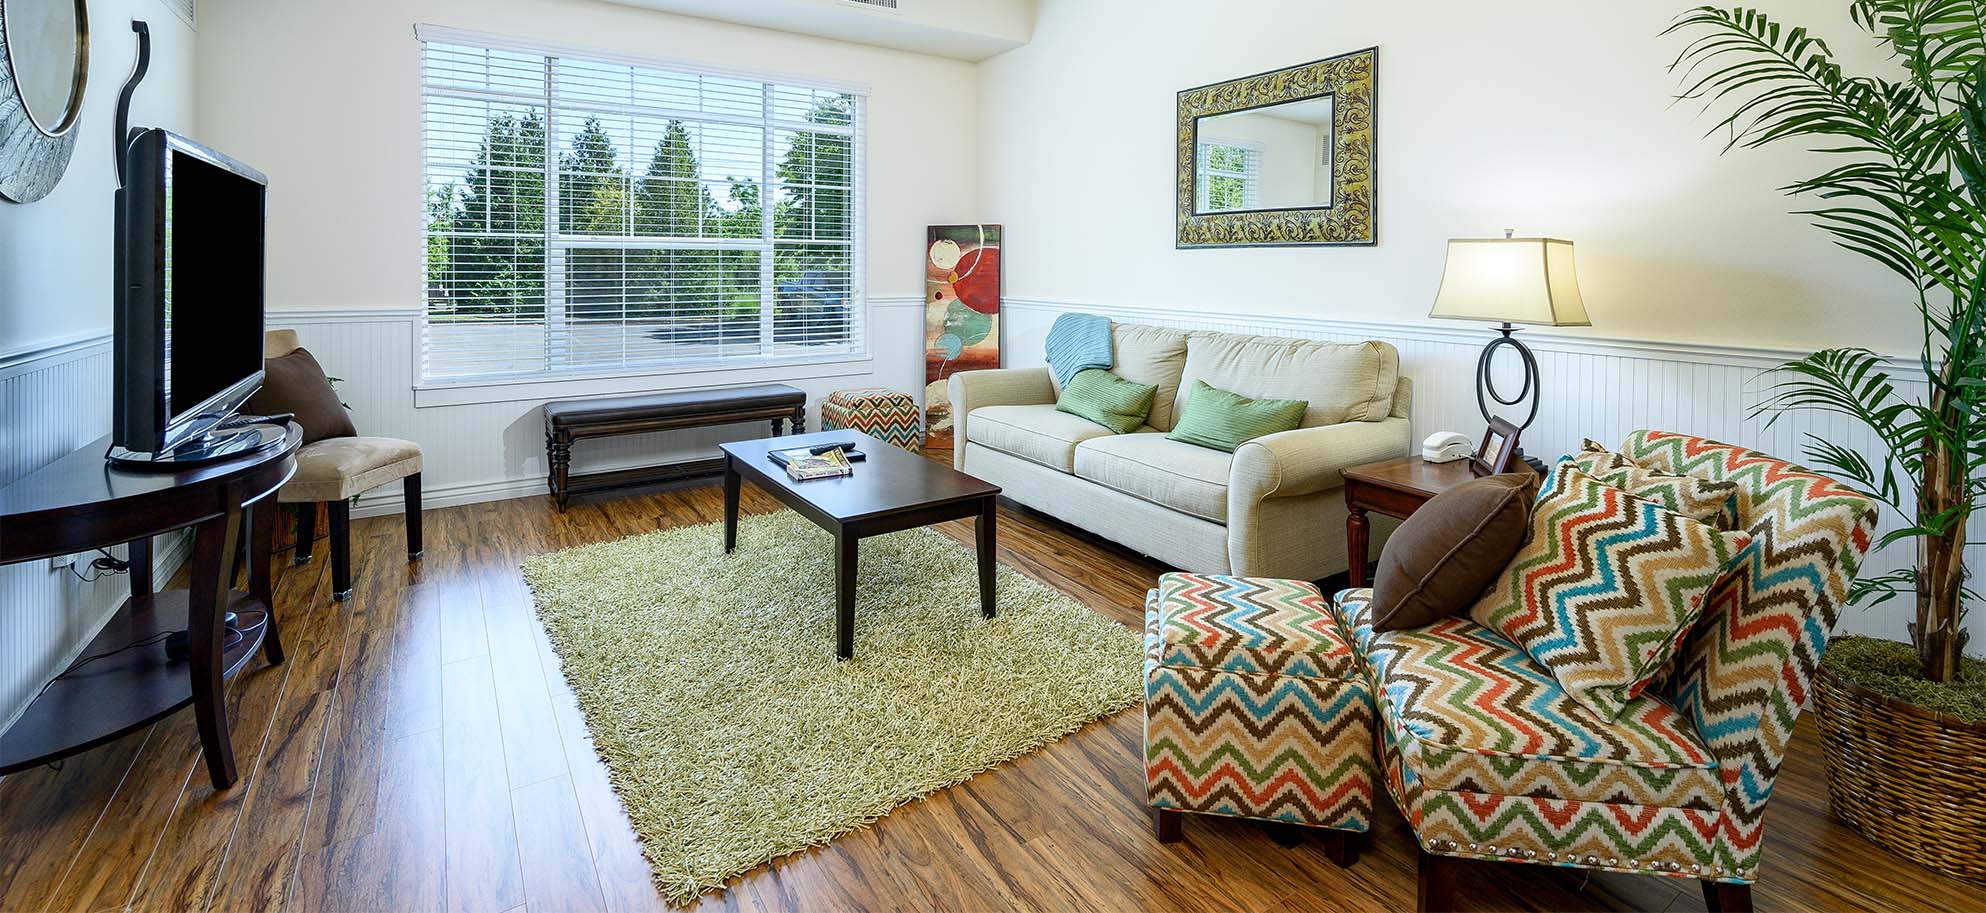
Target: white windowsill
x=537 y=389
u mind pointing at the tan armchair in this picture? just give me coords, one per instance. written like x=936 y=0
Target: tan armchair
x=333 y=471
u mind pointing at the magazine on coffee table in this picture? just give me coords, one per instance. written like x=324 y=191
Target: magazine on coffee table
x=808 y=466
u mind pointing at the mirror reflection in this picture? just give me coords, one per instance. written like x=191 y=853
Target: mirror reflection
x=44 y=47
x=1272 y=157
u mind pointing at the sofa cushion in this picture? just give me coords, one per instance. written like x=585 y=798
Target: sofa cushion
x=1185 y=477
x=1340 y=382
x=1605 y=587
x=1106 y=399
x=1150 y=355
x=1037 y=433
x=1225 y=421
x=1470 y=712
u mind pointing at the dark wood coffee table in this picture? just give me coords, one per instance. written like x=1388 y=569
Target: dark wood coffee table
x=892 y=490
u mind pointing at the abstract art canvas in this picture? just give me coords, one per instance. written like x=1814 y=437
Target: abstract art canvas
x=961 y=315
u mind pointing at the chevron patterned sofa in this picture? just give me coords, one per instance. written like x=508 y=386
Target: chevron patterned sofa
x=1488 y=758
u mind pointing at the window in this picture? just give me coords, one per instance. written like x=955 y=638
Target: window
x=594 y=217
x=1230 y=176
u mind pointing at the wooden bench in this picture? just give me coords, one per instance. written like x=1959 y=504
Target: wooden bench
x=566 y=422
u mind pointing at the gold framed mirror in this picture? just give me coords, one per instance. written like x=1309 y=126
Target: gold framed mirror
x=1279 y=159
x=44 y=67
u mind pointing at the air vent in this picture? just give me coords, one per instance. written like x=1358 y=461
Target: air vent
x=184 y=9
x=874 y=4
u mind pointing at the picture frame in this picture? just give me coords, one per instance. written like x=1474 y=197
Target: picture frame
x=1498 y=448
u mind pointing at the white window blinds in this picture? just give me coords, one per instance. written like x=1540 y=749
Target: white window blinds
x=586 y=216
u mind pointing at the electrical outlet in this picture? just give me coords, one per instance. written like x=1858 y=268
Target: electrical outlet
x=61 y=561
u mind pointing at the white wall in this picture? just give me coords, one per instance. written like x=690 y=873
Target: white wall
x=55 y=306
x=1546 y=116
x=325 y=99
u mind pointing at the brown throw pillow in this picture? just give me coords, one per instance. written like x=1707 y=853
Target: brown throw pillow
x=295 y=383
x=1443 y=557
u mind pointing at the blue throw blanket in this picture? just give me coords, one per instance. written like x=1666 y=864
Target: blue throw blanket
x=1076 y=342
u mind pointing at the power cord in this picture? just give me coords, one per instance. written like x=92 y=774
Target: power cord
x=101 y=567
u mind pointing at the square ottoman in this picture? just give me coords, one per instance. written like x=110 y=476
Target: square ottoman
x=879 y=411
x=1255 y=707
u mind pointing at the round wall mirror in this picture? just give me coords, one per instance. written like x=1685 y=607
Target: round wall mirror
x=45 y=49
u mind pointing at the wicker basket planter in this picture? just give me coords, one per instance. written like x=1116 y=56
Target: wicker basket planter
x=1909 y=779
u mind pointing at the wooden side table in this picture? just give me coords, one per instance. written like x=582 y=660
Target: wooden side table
x=1396 y=488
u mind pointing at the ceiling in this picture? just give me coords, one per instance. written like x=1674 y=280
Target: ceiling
x=963 y=29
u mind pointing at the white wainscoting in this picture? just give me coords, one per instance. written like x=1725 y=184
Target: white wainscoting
x=1593 y=387
x=53 y=399
x=485 y=451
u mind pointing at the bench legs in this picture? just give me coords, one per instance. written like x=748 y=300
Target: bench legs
x=1721 y=897
x=558 y=460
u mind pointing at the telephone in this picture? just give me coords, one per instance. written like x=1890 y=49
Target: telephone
x=1446 y=447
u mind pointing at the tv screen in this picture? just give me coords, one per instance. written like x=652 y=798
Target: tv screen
x=212 y=281
x=189 y=322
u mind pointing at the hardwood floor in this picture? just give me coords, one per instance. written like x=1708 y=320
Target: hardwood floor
x=420 y=751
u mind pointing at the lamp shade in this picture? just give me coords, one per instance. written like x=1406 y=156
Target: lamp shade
x=1510 y=280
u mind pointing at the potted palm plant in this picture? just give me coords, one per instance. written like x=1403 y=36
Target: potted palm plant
x=1904 y=724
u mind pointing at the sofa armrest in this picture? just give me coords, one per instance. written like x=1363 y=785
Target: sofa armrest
x=1310 y=460
x=969 y=390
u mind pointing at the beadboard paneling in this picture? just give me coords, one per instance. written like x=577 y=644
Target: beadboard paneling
x=1594 y=388
x=54 y=399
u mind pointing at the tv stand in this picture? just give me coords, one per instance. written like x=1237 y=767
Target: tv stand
x=77 y=504
x=215 y=445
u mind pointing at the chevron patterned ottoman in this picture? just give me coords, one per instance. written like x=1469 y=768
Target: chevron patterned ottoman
x=1255 y=707
x=880 y=411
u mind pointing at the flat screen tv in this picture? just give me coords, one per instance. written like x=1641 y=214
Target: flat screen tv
x=188 y=322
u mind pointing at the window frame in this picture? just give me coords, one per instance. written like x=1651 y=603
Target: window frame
x=687 y=371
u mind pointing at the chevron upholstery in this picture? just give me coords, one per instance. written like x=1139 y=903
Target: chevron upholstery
x=1742 y=676
x=1702 y=500
x=1255 y=705
x=1488 y=757
x=1605 y=587
x=879 y=411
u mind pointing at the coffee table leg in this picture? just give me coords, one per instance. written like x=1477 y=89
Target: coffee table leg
x=989 y=513
x=731 y=481
x=844 y=594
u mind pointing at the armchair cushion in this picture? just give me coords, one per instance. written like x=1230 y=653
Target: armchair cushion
x=1451 y=549
x=1309 y=460
x=1702 y=500
x=294 y=382
x=337 y=468
x=1605 y=588
x=1470 y=712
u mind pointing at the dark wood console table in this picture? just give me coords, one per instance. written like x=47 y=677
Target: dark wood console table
x=79 y=503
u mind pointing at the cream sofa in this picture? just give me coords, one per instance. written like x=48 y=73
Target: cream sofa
x=1273 y=508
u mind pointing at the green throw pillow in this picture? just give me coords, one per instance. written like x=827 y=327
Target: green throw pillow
x=1224 y=421
x=1106 y=399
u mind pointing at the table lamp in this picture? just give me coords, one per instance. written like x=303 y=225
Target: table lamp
x=1510 y=281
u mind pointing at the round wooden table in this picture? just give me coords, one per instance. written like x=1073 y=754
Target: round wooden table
x=80 y=503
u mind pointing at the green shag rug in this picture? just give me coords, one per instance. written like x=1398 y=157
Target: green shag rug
x=732 y=734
